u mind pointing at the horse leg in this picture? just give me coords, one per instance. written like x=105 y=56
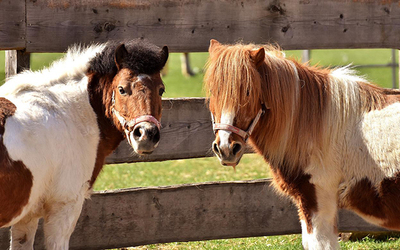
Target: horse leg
x=23 y=233
x=59 y=223
x=319 y=228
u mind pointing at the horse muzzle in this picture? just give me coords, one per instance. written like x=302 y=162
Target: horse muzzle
x=142 y=133
x=144 y=137
x=228 y=155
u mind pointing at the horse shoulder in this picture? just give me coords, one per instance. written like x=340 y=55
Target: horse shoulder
x=64 y=140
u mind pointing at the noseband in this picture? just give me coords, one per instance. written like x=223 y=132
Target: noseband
x=244 y=134
x=132 y=123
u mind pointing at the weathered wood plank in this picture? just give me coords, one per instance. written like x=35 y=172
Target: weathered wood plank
x=12 y=24
x=190 y=212
x=16 y=61
x=187 y=26
x=186 y=133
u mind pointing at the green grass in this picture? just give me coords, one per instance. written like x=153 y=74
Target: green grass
x=208 y=169
x=2 y=64
x=40 y=61
x=145 y=174
x=285 y=242
x=178 y=85
x=380 y=76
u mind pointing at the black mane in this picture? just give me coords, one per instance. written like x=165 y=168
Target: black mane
x=143 y=58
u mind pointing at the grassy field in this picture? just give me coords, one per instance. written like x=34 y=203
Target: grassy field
x=208 y=169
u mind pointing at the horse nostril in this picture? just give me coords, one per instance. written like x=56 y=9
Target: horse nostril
x=216 y=148
x=137 y=132
x=236 y=148
x=156 y=136
x=146 y=133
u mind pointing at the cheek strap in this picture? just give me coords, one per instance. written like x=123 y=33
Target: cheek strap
x=127 y=125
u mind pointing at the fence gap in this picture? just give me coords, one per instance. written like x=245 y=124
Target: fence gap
x=394 y=68
x=16 y=61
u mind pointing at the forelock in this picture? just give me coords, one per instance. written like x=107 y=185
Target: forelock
x=143 y=58
x=232 y=77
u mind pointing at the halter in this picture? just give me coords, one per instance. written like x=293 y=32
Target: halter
x=132 y=123
x=244 y=134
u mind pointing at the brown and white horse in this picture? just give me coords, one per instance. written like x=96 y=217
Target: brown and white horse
x=58 y=125
x=328 y=135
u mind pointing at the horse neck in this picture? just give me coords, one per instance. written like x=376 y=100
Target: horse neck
x=300 y=110
x=99 y=88
x=100 y=96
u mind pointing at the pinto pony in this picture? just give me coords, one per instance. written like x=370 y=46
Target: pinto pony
x=58 y=125
x=328 y=135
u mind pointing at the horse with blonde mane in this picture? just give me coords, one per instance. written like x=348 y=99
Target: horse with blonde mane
x=327 y=134
x=57 y=126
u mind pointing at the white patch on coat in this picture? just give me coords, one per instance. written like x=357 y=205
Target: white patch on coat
x=54 y=132
x=141 y=78
x=322 y=238
x=324 y=221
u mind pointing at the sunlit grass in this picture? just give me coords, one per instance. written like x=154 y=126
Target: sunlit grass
x=285 y=242
x=178 y=85
x=144 y=174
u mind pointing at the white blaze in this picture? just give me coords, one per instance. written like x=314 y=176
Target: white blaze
x=226 y=118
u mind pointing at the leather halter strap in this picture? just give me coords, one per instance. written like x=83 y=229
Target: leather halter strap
x=244 y=134
x=133 y=122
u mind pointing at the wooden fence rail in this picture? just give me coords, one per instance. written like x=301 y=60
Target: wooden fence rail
x=190 y=212
x=195 y=211
x=187 y=26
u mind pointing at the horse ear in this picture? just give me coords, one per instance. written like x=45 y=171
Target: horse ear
x=120 y=55
x=258 y=56
x=164 y=55
x=213 y=44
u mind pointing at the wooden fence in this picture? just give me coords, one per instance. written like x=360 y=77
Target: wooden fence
x=195 y=211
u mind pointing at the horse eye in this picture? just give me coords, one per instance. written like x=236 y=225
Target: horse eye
x=161 y=91
x=121 y=90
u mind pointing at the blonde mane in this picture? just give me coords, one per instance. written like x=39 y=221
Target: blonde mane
x=305 y=103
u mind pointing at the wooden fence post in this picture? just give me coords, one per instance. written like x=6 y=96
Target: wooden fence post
x=306 y=55
x=16 y=61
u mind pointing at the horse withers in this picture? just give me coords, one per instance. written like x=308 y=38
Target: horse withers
x=327 y=134
x=57 y=126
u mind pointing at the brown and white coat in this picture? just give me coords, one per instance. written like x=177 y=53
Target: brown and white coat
x=329 y=136
x=58 y=125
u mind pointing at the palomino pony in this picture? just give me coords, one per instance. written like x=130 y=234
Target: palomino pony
x=328 y=135
x=58 y=125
